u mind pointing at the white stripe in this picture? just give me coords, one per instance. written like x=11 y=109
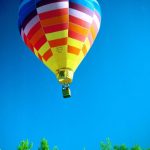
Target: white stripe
x=30 y=24
x=80 y=15
x=97 y=21
x=53 y=6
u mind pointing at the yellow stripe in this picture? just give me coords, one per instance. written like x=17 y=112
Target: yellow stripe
x=36 y=53
x=73 y=61
x=44 y=48
x=75 y=43
x=57 y=35
x=80 y=58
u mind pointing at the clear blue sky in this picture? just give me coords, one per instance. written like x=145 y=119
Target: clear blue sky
x=110 y=91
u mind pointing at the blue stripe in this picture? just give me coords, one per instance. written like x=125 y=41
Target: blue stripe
x=23 y=2
x=97 y=7
x=26 y=10
x=38 y=1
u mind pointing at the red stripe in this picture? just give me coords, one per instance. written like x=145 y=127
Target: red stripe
x=41 y=42
x=34 y=30
x=81 y=8
x=76 y=36
x=47 y=55
x=56 y=28
x=54 y=13
x=27 y=42
x=79 y=22
x=58 y=42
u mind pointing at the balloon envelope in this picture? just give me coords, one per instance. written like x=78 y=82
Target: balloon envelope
x=59 y=32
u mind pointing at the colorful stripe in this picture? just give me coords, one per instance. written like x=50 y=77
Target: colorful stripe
x=55 y=20
x=52 y=6
x=77 y=28
x=55 y=28
x=47 y=55
x=54 y=13
x=79 y=22
x=76 y=36
x=80 y=15
x=57 y=35
x=58 y=42
x=73 y=50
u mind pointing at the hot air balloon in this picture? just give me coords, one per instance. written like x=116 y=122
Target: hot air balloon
x=60 y=33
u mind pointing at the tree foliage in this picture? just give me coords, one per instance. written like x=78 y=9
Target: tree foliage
x=106 y=146
x=25 y=145
x=44 y=145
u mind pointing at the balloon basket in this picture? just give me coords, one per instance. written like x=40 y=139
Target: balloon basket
x=66 y=91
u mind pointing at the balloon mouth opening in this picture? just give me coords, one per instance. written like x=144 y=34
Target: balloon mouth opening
x=65 y=76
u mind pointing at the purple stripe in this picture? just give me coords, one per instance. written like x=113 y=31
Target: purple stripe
x=28 y=18
x=45 y=2
x=81 y=8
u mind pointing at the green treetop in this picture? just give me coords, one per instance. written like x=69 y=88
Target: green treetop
x=25 y=145
x=44 y=145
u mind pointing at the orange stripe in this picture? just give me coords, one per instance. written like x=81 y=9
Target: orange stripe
x=84 y=50
x=36 y=37
x=78 y=29
x=73 y=50
x=55 y=20
x=58 y=42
